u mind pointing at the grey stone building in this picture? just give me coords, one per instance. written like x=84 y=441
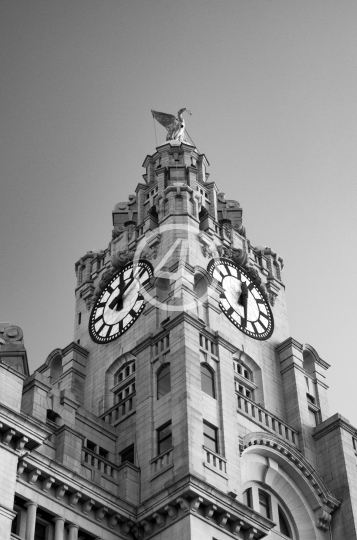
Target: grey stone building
x=183 y=409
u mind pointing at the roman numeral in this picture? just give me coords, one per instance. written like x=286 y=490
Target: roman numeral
x=101 y=328
x=263 y=315
x=97 y=319
x=255 y=328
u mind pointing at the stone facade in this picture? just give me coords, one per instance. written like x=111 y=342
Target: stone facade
x=129 y=440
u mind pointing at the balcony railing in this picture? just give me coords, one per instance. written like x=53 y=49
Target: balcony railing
x=119 y=410
x=161 y=461
x=215 y=460
x=267 y=420
x=95 y=461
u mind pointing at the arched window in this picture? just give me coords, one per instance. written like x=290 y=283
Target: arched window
x=163 y=381
x=284 y=527
x=207 y=380
x=56 y=368
x=244 y=383
x=124 y=380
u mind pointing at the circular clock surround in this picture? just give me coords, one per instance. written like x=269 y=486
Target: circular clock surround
x=120 y=303
x=242 y=301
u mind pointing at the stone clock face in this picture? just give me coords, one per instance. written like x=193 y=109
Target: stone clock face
x=241 y=301
x=121 y=302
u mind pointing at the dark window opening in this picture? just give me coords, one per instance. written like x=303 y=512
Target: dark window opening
x=207 y=381
x=103 y=453
x=283 y=524
x=264 y=504
x=79 y=318
x=52 y=416
x=127 y=454
x=247 y=497
x=164 y=438
x=163 y=381
x=210 y=437
x=40 y=531
x=90 y=445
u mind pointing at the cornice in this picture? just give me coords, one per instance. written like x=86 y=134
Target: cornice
x=289 y=342
x=331 y=424
x=75 y=347
x=7 y=367
x=32 y=432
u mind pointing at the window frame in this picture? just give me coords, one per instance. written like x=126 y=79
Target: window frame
x=159 y=378
x=207 y=367
x=126 y=451
x=160 y=441
x=268 y=506
x=215 y=440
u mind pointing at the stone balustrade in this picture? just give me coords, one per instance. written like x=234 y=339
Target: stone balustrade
x=97 y=462
x=215 y=460
x=120 y=410
x=162 y=461
x=267 y=420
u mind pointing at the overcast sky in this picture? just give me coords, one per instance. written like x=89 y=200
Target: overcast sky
x=272 y=85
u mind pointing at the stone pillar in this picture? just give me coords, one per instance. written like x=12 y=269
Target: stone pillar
x=59 y=527
x=294 y=385
x=31 y=520
x=72 y=532
x=34 y=398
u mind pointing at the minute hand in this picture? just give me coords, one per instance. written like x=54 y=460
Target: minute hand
x=116 y=302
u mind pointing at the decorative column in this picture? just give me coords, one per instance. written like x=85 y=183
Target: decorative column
x=59 y=527
x=72 y=532
x=31 y=520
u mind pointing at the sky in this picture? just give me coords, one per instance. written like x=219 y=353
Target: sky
x=272 y=88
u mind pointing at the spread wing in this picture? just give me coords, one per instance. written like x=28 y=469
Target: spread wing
x=166 y=120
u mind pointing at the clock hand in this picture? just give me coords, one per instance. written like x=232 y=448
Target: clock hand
x=117 y=300
x=243 y=301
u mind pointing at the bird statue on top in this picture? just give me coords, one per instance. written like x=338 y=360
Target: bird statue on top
x=175 y=126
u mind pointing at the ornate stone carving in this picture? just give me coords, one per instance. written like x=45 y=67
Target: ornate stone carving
x=120 y=258
x=230 y=213
x=11 y=334
x=323 y=519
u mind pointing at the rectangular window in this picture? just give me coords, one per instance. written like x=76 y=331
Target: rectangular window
x=264 y=504
x=127 y=454
x=79 y=318
x=210 y=437
x=103 y=453
x=164 y=438
x=90 y=445
x=312 y=418
x=247 y=497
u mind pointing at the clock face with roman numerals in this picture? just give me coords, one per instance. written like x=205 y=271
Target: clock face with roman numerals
x=121 y=302
x=241 y=301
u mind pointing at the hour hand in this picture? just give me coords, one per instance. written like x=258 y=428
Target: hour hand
x=243 y=301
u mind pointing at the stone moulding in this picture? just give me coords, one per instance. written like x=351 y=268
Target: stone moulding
x=232 y=518
x=326 y=499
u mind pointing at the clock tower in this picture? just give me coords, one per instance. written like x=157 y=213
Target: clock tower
x=182 y=409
